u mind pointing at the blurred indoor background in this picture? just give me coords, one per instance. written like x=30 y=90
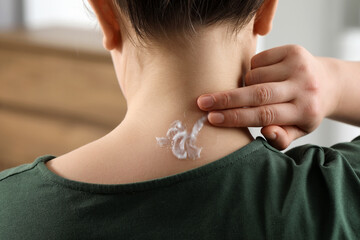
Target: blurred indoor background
x=58 y=89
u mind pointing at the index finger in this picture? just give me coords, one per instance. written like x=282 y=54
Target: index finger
x=250 y=96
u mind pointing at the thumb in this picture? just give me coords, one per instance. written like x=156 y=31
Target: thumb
x=280 y=137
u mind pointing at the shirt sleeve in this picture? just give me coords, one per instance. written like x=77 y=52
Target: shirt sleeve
x=351 y=152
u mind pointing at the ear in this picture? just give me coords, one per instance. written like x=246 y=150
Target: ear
x=105 y=12
x=264 y=17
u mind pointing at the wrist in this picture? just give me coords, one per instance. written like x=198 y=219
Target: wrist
x=332 y=84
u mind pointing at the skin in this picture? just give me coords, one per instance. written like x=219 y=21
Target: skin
x=161 y=84
x=289 y=92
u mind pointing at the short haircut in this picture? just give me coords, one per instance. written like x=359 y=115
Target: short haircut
x=158 y=19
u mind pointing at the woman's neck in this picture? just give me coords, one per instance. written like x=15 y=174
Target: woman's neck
x=162 y=87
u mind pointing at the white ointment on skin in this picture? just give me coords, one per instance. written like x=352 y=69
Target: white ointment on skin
x=182 y=143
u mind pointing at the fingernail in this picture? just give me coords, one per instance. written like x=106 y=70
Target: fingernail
x=206 y=102
x=272 y=136
x=216 y=117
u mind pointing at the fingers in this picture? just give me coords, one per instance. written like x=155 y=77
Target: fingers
x=274 y=73
x=275 y=55
x=269 y=57
x=281 y=137
x=251 y=96
x=278 y=114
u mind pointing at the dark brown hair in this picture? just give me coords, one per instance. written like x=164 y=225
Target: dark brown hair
x=156 y=19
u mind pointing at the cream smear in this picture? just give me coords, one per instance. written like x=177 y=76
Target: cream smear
x=181 y=142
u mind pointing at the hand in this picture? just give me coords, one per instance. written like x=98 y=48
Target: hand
x=288 y=92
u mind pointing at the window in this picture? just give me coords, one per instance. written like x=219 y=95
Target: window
x=63 y=13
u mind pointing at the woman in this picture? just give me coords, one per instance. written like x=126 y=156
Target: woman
x=164 y=172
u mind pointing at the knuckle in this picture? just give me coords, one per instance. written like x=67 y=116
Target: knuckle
x=311 y=83
x=225 y=100
x=262 y=95
x=296 y=50
x=267 y=116
x=305 y=70
x=235 y=118
x=304 y=67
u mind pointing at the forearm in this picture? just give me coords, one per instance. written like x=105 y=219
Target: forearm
x=347 y=83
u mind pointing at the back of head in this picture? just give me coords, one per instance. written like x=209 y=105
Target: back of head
x=158 y=20
x=161 y=85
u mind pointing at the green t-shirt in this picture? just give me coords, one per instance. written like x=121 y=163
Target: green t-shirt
x=256 y=192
